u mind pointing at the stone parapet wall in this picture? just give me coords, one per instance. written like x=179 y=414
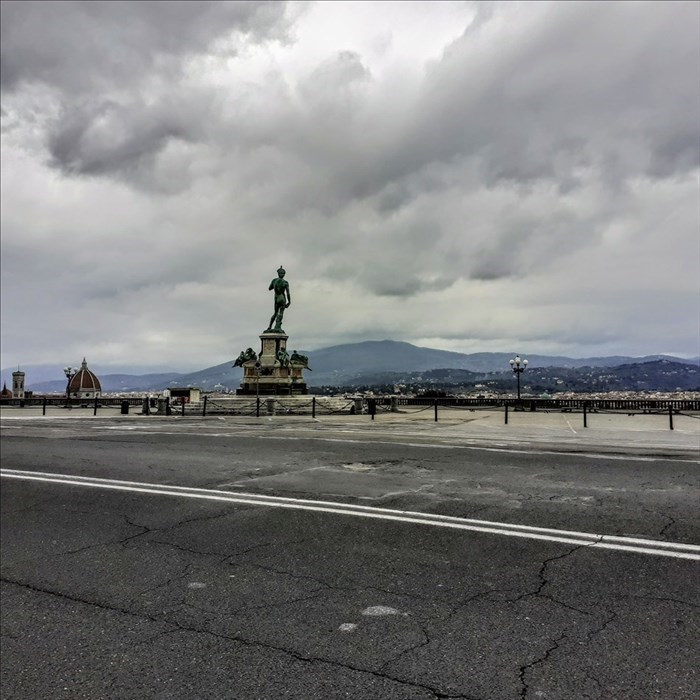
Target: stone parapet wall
x=283 y=405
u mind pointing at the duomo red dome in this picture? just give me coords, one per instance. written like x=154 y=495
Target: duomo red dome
x=85 y=383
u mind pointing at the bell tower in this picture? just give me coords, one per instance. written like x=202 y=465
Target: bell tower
x=18 y=384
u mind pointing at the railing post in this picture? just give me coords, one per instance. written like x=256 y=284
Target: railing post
x=204 y=407
x=313 y=407
x=257 y=407
x=436 y=409
x=505 y=403
x=670 y=416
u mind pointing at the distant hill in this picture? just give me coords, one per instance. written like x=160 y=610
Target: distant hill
x=369 y=362
x=656 y=375
x=348 y=363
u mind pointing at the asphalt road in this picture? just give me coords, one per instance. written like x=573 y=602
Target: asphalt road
x=152 y=559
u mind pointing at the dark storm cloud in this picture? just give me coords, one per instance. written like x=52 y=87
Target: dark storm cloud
x=100 y=61
x=106 y=138
x=82 y=46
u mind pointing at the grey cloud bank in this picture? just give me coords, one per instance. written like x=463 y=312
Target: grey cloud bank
x=464 y=176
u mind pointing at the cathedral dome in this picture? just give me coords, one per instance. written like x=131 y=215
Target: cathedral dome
x=85 y=383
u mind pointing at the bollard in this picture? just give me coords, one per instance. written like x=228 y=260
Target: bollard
x=125 y=408
x=182 y=403
x=372 y=407
x=313 y=407
x=145 y=408
x=43 y=407
x=168 y=407
x=204 y=407
x=506 y=405
x=358 y=406
x=394 y=404
x=436 y=405
x=257 y=407
x=585 y=414
x=270 y=405
x=670 y=416
x=94 y=410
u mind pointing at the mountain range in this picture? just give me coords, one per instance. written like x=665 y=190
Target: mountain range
x=370 y=362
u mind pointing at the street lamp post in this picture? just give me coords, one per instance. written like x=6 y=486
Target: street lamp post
x=518 y=366
x=258 y=369
x=70 y=372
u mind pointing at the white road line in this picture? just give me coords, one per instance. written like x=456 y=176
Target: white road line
x=629 y=544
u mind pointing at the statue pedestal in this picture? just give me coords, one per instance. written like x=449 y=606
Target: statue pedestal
x=267 y=375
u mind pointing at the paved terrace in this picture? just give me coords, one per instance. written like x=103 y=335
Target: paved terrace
x=614 y=432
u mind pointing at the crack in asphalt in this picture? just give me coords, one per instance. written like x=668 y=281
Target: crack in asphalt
x=222 y=557
x=671 y=520
x=147 y=529
x=26 y=509
x=599 y=687
x=298 y=577
x=542 y=659
x=543 y=580
x=671 y=523
x=252 y=548
x=186 y=572
x=435 y=692
x=662 y=600
x=612 y=615
x=75 y=599
x=409 y=650
x=86 y=547
x=335 y=587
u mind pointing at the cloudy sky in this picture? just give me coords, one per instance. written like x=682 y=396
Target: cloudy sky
x=520 y=177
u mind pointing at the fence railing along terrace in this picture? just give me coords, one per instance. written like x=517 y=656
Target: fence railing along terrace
x=348 y=404
x=637 y=404
x=38 y=401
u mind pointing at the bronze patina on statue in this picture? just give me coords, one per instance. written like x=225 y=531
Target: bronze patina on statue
x=274 y=371
x=283 y=299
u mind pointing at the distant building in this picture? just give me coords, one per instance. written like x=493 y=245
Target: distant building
x=85 y=384
x=184 y=394
x=18 y=384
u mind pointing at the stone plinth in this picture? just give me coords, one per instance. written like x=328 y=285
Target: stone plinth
x=268 y=375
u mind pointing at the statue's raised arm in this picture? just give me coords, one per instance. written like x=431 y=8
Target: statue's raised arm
x=283 y=299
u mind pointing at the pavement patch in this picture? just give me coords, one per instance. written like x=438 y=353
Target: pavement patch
x=380 y=610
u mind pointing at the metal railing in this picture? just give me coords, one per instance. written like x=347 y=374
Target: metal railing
x=372 y=406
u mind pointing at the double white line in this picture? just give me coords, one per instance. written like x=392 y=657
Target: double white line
x=627 y=544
